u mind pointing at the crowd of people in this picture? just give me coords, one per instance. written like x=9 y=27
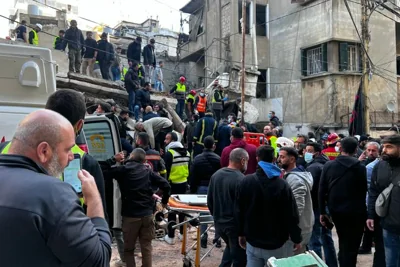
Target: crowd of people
x=278 y=198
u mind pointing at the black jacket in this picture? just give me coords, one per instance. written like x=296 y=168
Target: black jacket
x=261 y=197
x=58 y=43
x=189 y=131
x=162 y=112
x=90 y=48
x=135 y=181
x=42 y=216
x=149 y=55
x=343 y=186
x=74 y=38
x=143 y=98
x=382 y=175
x=105 y=51
x=203 y=167
x=315 y=168
x=134 y=50
x=150 y=115
x=132 y=82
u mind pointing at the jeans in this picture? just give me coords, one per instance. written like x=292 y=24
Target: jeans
x=258 y=257
x=233 y=255
x=392 y=248
x=137 y=112
x=202 y=190
x=350 y=228
x=116 y=72
x=180 y=106
x=158 y=85
x=119 y=238
x=126 y=146
x=379 y=255
x=177 y=189
x=131 y=100
x=322 y=236
x=144 y=229
x=74 y=56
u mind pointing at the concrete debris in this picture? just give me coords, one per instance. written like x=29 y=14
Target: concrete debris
x=251 y=113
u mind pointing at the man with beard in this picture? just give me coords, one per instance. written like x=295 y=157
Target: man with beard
x=387 y=173
x=370 y=154
x=42 y=216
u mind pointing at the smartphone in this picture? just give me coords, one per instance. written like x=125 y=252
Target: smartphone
x=71 y=173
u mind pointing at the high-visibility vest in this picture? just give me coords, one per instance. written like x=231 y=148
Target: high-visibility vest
x=75 y=149
x=220 y=96
x=139 y=72
x=55 y=41
x=190 y=96
x=179 y=168
x=201 y=105
x=35 y=40
x=180 y=89
x=124 y=71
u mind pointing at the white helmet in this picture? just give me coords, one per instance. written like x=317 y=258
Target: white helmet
x=39 y=26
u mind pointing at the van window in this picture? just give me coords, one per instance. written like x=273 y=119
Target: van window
x=99 y=140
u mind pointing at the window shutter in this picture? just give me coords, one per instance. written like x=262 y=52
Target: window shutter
x=303 y=62
x=343 y=57
x=324 y=49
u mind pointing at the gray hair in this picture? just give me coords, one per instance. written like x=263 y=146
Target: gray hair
x=378 y=146
x=238 y=154
x=138 y=155
x=33 y=133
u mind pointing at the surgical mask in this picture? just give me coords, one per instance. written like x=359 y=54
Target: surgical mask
x=308 y=157
x=337 y=149
x=277 y=150
x=269 y=116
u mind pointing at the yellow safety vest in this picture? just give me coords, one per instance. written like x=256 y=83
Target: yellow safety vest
x=179 y=168
x=55 y=41
x=35 y=40
x=124 y=71
x=75 y=149
x=139 y=72
x=190 y=96
x=180 y=89
x=220 y=96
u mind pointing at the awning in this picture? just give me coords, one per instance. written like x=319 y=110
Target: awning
x=192 y=6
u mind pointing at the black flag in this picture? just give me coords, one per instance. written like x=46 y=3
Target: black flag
x=357 y=120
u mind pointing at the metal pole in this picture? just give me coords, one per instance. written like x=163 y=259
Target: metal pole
x=243 y=57
x=366 y=70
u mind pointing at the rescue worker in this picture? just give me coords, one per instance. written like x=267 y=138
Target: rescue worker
x=205 y=126
x=141 y=74
x=189 y=103
x=57 y=44
x=153 y=158
x=189 y=132
x=75 y=41
x=177 y=161
x=218 y=101
x=201 y=104
x=33 y=34
x=180 y=91
x=332 y=152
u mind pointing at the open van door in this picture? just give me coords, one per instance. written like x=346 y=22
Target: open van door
x=103 y=142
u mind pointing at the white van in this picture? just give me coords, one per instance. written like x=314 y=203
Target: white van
x=28 y=77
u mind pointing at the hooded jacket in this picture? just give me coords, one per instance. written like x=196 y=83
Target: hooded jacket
x=261 y=195
x=343 y=186
x=315 y=168
x=224 y=137
x=301 y=184
x=203 y=167
x=162 y=112
x=168 y=157
x=153 y=127
x=74 y=38
x=43 y=216
x=134 y=50
x=239 y=143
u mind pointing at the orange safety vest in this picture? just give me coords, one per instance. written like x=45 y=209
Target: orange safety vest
x=201 y=106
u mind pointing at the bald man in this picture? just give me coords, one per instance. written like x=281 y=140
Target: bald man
x=43 y=222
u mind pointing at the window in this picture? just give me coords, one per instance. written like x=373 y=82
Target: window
x=261 y=20
x=262 y=84
x=349 y=57
x=247 y=17
x=314 y=60
x=99 y=140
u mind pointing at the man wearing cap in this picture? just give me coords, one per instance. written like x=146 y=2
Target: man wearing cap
x=134 y=50
x=149 y=59
x=33 y=34
x=74 y=39
x=180 y=91
x=331 y=151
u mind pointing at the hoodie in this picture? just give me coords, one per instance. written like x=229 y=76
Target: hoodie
x=239 y=143
x=343 y=186
x=262 y=195
x=301 y=183
x=168 y=157
x=315 y=168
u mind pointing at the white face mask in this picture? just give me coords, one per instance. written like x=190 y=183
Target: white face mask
x=337 y=149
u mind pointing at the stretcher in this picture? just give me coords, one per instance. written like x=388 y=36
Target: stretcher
x=194 y=207
x=308 y=259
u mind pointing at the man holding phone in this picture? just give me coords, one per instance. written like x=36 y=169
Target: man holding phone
x=42 y=216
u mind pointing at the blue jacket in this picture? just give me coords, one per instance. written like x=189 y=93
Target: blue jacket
x=206 y=126
x=224 y=137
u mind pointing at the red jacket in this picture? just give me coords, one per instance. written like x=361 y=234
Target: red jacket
x=331 y=153
x=251 y=149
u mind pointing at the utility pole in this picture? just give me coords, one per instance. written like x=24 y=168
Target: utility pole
x=243 y=57
x=365 y=61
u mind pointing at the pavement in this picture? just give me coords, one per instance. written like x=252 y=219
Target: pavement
x=165 y=255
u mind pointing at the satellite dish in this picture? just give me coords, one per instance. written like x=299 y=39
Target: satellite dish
x=390 y=106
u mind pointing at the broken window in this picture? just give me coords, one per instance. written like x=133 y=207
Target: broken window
x=314 y=60
x=247 y=17
x=262 y=83
x=261 y=20
x=349 y=57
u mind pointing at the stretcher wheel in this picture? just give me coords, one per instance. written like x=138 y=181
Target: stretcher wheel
x=159 y=216
x=187 y=263
x=170 y=226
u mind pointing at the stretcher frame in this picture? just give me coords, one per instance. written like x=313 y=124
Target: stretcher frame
x=197 y=220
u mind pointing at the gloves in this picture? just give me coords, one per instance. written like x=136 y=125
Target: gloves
x=225 y=99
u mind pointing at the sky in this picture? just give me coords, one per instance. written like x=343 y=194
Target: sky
x=112 y=11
